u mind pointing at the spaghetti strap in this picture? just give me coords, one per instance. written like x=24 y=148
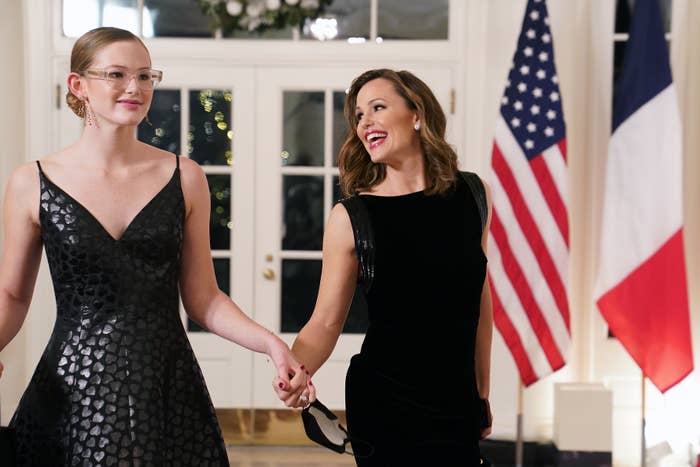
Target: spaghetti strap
x=177 y=161
x=38 y=164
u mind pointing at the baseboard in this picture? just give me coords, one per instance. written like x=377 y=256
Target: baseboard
x=501 y=453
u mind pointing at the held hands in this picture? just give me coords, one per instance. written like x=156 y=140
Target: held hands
x=293 y=382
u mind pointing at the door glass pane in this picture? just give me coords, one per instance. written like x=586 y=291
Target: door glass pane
x=210 y=132
x=175 y=18
x=412 y=19
x=343 y=19
x=337 y=192
x=300 y=278
x=624 y=9
x=80 y=16
x=302 y=138
x=340 y=126
x=222 y=270
x=300 y=281
x=220 y=218
x=302 y=210
x=164 y=114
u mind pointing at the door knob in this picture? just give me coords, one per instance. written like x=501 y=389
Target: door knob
x=269 y=274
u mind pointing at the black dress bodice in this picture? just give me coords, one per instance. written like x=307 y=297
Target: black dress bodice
x=411 y=392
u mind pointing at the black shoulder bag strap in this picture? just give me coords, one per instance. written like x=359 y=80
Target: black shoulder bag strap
x=476 y=186
x=364 y=238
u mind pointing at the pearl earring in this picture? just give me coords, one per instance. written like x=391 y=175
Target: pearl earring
x=416 y=126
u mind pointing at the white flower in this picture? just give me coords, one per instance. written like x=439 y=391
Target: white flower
x=291 y=2
x=234 y=7
x=255 y=9
x=254 y=23
x=309 y=3
x=273 y=4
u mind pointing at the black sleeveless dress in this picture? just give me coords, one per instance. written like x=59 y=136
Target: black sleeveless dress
x=411 y=392
x=118 y=384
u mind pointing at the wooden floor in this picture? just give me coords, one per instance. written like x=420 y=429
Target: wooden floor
x=271 y=456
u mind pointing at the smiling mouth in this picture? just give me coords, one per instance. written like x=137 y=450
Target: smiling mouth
x=374 y=139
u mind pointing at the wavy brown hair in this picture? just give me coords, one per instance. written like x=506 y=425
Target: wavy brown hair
x=357 y=171
x=84 y=51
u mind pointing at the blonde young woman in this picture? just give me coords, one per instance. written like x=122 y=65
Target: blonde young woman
x=125 y=227
x=413 y=233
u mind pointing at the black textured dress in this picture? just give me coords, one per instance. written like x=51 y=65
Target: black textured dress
x=411 y=392
x=118 y=384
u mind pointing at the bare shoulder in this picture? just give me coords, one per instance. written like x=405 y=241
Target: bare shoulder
x=191 y=173
x=339 y=229
x=23 y=189
x=194 y=183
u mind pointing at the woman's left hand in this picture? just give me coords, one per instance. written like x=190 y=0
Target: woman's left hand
x=293 y=381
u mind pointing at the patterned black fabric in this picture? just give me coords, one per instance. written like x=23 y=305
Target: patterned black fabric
x=118 y=384
x=364 y=239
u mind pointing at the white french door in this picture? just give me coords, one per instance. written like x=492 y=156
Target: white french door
x=300 y=128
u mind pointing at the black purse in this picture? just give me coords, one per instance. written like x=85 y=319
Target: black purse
x=323 y=427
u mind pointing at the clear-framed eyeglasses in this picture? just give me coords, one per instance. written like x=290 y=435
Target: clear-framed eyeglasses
x=146 y=78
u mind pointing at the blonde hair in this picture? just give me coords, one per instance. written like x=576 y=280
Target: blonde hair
x=83 y=54
x=357 y=171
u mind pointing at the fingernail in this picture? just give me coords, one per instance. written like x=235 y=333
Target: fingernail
x=310 y=383
x=281 y=385
x=307 y=372
x=302 y=367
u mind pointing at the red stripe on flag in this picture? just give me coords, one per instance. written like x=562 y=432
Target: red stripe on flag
x=551 y=195
x=512 y=339
x=648 y=313
x=562 y=148
x=516 y=277
x=531 y=231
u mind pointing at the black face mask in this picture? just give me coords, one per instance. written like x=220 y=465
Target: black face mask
x=323 y=427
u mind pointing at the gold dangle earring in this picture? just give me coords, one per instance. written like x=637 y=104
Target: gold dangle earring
x=148 y=121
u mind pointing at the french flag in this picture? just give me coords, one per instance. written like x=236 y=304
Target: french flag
x=641 y=287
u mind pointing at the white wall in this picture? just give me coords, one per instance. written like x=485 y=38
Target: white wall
x=12 y=151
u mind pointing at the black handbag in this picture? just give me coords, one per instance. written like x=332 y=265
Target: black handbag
x=323 y=427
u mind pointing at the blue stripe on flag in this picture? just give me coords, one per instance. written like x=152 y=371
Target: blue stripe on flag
x=646 y=71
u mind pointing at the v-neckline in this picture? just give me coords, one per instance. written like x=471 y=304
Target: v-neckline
x=96 y=220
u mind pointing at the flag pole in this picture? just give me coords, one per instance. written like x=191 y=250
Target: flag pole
x=519 y=436
x=644 y=421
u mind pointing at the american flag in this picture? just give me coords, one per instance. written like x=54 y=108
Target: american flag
x=529 y=236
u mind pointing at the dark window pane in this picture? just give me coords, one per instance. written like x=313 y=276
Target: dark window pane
x=302 y=139
x=175 y=18
x=337 y=192
x=624 y=9
x=302 y=208
x=413 y=19
x=300 y=280
x=210 y=133
x=80 y=16
x=343 y=19
x=222 y=270
x=340 y=126
x=220 y=218
x=164 y=130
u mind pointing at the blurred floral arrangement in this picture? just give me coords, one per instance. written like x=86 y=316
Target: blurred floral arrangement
x=259 y=15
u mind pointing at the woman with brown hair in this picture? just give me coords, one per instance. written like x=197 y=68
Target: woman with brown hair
x=412 y=232
x=118 y=383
